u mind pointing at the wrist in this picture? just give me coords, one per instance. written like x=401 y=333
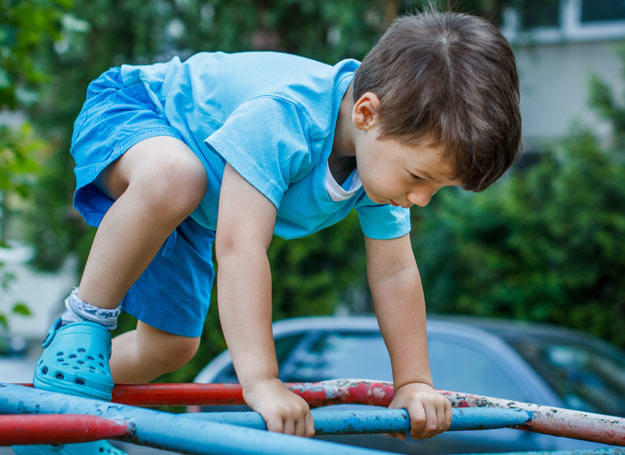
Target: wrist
x=414 y=383
x=254 y=381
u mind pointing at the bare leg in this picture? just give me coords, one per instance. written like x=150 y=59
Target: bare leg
x=144 y=354
x=156 y=184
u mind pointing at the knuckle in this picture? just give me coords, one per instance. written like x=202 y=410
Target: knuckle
x=418 y=421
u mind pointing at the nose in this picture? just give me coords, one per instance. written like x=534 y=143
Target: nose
x=422 y=196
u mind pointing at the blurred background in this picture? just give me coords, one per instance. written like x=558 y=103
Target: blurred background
x=545 y=243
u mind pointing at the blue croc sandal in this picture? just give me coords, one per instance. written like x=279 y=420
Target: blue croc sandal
x=75 y=360
x=83 y=448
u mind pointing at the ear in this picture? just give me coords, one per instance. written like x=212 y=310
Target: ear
x=366 y=111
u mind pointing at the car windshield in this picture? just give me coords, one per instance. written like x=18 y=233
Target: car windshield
x=454 y=366
x=588 y=376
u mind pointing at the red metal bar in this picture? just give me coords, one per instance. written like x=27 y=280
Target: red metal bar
x=58 y=429
x=316 y=394
x=546 y=419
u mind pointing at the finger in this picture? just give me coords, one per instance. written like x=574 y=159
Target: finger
x=300 y=426
x=289 y=426
x=444 y=416
x=417 y=420
x=274 y=424
x=431 y=422
x=310 y=425
x=441 y=419
x=448 y=415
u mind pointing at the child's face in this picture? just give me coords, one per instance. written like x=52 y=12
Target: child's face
x=398 y=174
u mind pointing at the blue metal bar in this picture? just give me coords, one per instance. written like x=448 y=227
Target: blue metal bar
x=605 y=451
x=379 y=420
x=170 y=431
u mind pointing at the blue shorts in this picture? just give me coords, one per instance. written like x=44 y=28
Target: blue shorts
x=173 y=294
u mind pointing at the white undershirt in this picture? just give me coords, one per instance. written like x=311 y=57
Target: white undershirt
x=337 y=192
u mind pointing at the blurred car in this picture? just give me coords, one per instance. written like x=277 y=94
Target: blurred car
x=524 y=362
x=16 y=365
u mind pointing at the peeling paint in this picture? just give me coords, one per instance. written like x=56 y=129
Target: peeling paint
x=548 y=420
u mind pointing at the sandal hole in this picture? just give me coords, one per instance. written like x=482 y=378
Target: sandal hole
x=90 y=357
x=60 y=353
x=59 y=376
x=101 y=356
x=60 y=359
x=81 y=350
x=44 y=370
x=72 y=356
x=80 y=361
x=79 y=381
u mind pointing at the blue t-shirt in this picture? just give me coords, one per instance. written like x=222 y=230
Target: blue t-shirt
x=272 y=117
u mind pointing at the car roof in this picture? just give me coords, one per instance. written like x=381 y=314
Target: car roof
x=502 y=328
x=506 y=329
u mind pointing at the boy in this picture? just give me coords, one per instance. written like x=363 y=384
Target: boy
x=236 y=148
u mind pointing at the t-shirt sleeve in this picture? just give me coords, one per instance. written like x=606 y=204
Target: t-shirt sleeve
x=383 y=221
x=265 y=140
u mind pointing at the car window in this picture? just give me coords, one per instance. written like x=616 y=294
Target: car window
x=461 y=368
x=587 y=376
x=284 y=346
x=335 y=355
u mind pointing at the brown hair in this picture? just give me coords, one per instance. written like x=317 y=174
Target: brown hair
x=449 y=79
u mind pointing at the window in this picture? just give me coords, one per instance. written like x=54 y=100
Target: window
x=340 y=355
x=564 y=20
x=602 y=11
x=586 y=376
x=466 y=369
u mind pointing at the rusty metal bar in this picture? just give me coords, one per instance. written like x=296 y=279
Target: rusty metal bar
x=546 y=419
x=171 y=431
x=606 y=451
x=379 y=420
x=58 y=429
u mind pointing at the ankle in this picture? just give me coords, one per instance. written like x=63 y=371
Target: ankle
x=77 y=310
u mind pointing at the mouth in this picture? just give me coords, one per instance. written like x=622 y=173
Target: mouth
x=393 y=203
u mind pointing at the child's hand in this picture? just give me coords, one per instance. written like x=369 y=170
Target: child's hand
x=282 y=410
x=430 y=412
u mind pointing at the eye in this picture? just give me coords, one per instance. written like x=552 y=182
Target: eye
x=414 y=176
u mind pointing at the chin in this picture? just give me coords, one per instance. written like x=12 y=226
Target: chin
x=378 y=200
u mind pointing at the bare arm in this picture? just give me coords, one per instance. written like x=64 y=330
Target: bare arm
x=244 y=231
x=400 y=308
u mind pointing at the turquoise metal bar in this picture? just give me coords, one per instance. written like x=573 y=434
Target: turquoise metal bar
x=606 y=451
x=170 y=431
x=379 y=420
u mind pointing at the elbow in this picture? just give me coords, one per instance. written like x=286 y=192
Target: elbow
x=225 y=247
x=229 y=247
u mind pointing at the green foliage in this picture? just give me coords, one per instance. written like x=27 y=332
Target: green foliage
x=602 y=97
x=543 y=245
x=17 y=167
x=24 y=26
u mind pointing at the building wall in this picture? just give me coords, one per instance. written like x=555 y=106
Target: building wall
x=554 y=82
x=42 y=292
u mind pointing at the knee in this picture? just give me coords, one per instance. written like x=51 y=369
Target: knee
x=172 y=179
x=173 y=353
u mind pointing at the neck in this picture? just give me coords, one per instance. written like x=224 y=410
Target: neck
x=342 y=158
